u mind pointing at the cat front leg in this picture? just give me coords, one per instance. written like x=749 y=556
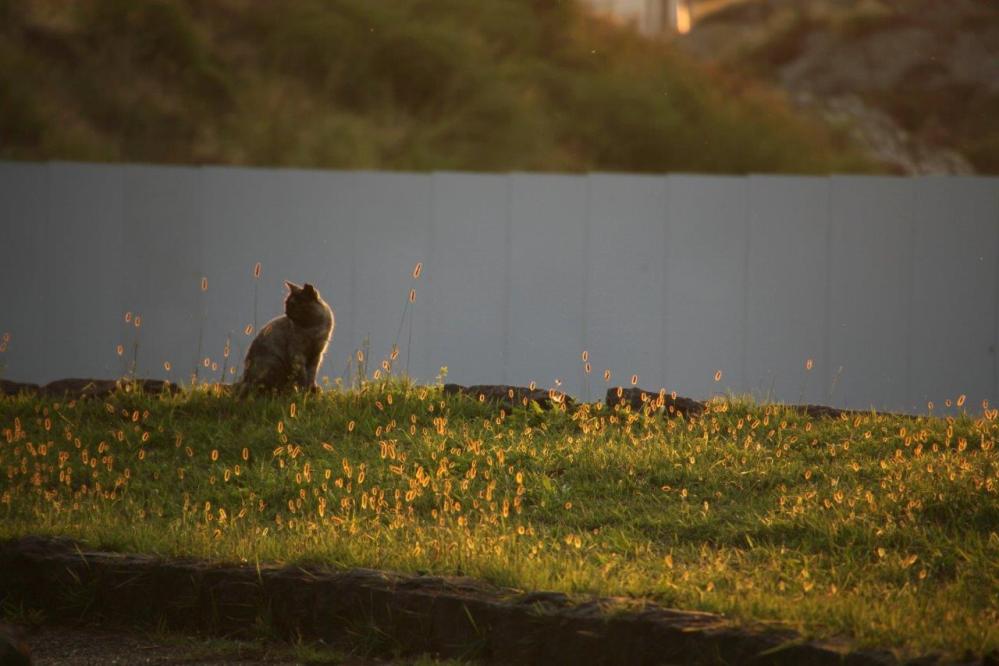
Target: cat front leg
x=311 y=370
x=299 y=375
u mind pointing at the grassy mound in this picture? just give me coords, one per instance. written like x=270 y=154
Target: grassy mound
x=878 y=527
x=410 y=84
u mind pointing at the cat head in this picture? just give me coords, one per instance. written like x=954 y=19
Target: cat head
x=303 y=305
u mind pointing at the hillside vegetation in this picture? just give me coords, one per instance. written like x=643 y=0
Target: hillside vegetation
x=490 y=85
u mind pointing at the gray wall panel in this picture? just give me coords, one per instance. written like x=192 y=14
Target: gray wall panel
x=953 y=304
x=299 y=226
x=83 y=238
x=464 y=285
x=393 y=233
x=336 y=261
x=870 y=281
x=548 y=218
x=24 y=197
x=625 y=261
x=705 y=284
x=161 y=264
x=786 y=287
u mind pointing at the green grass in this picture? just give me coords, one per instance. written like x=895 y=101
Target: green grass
x=877 y=527
x=491 y=85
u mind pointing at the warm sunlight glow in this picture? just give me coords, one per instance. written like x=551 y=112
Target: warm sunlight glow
x=683 y=22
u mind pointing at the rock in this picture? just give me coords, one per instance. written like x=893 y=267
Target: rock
x=80 y=388
x=638 y=399
x=511 y=397
x=8 y=387
x=821 y=411
x=98 y=388
x=882 y=137
x=14 y=650
x=87 y=388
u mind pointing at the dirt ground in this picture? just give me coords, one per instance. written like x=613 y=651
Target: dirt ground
x=92 y=646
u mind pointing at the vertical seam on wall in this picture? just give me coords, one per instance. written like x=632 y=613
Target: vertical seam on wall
x=120 y=268
x=664 y=202
x=748 y=222
x=47 y=233
x=507 y=277
x=827 y=319
x=201 y=189
x=584 y=338
x=354 y=220
x=428 y=256
x=995 y=310
x=910 y=259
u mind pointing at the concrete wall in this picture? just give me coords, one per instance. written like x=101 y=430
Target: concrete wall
x=890 y=286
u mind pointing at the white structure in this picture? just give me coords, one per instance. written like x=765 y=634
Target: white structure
x=650 y=17
x=889 y=285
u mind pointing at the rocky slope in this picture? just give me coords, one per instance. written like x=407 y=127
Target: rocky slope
x=916 y=82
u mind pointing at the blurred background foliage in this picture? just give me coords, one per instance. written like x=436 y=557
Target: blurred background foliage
x=490 y=85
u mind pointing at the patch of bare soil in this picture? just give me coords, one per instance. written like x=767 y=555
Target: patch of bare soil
x=94 y=646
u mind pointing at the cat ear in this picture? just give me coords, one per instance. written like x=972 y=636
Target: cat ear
x=310 y=291
x=292 y=287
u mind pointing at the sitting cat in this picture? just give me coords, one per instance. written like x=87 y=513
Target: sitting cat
x=288 y=350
